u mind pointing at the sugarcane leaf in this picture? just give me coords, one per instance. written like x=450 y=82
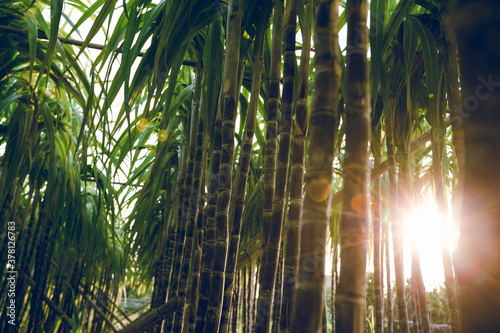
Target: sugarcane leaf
x=32 y=38
x=432 y=73
x=87 y=13
x=396 y=18
x=377 y=23
x=212 y=73
x=55 y=14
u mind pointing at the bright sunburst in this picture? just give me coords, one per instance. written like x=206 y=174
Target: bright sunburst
x=427 y=231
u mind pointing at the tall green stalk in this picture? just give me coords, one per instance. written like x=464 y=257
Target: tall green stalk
x=376 y=148
x=196 y=141
x=278 y=294
x=453 y=96
x=244 y=307
x=210 y=228
x=182 y=220
x=350 y=297
x=240 y=182
x=273 y=105
x=272 y=250
x=230 y=93
x=236 y=307
x=388 y=278
x=396 y=228
x=309 y=293
x=297 y=175
x=403 y=133
x=419 y=291
x=195 y=281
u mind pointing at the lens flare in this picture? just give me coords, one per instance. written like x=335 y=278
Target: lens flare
x=318 y=189
x=142 y=125
x=162 y=135
x=360 y=203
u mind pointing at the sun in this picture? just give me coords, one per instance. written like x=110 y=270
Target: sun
x=427 y=230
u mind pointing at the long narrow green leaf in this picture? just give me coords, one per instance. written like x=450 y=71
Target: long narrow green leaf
x=410 y=45
x=9 y=99
x=96 y=26
x=377 y=23
x=213 y=68
x=32 y=38
x=87 y=12
x=432 y=74
x=55 y=14
x=397 y=16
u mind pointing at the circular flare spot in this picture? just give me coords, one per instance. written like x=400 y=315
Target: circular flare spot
x=360 y=204
x=318 y=189
x=162 y=135
x=142 y=125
